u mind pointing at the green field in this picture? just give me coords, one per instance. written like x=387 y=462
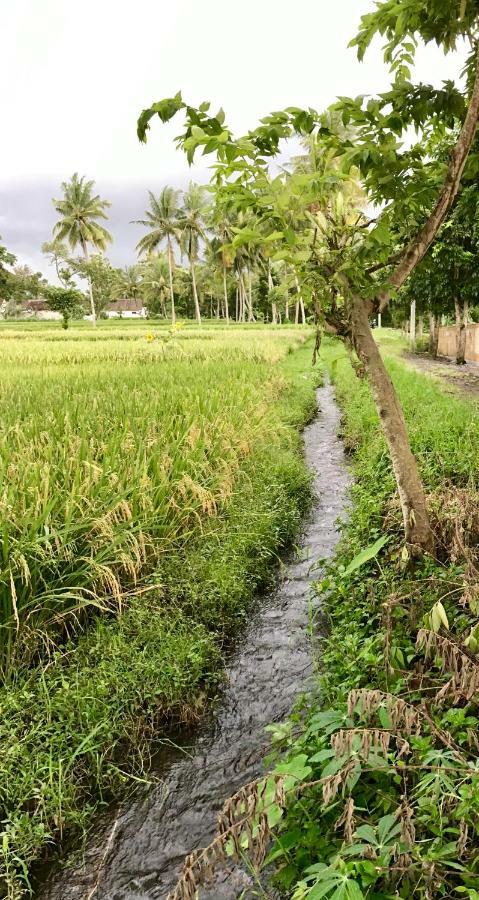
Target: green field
x=149 y=478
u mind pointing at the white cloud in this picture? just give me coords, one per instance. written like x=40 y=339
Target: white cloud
x=76 y=76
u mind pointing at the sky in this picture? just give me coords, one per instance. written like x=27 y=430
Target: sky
x=75 y=77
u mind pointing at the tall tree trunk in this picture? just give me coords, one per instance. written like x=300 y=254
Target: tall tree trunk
x=286 y=310
x=195 y=292
x=90 y=288
x=379 y=320
x=270 y=288
x=303 y=313
x=412 y=497
x=240 y=299
x=420 y=326
x=460 y=334
x=412 y=325
x=250 y=297
x=433 y=335
x=225 y=294
x=299 y=300
x=172 y=293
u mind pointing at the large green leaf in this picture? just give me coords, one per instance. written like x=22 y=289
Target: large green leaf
x=365 y=555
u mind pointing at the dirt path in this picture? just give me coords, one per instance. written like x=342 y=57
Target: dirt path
x=464 y=379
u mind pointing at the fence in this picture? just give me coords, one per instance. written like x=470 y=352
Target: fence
x=448 y=340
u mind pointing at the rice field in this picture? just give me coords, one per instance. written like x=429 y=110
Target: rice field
x=116 y=445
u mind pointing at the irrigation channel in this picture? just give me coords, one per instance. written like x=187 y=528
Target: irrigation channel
x=139 y=851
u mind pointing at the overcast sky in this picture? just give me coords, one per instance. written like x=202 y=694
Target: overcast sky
x=76 y=75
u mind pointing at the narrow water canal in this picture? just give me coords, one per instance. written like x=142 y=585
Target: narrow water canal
x=140 y=852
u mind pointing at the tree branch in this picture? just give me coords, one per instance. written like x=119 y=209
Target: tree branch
x=419 y=246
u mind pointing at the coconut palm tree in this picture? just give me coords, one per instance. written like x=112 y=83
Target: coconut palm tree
x=192 y=227
x=154 y=284
x=222 y=222
x=129 y=283
x=162 y=221
x=79 y=210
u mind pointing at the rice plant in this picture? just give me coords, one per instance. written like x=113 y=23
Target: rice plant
x=114 y=448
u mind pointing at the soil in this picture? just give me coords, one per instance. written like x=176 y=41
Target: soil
x=464 y=379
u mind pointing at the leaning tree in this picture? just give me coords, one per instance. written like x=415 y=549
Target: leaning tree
x=412 y=193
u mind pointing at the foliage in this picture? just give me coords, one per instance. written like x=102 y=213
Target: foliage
x=67 y=301
x=106 y=281
x=394 y=808
x=79 y=209
x=6 y=280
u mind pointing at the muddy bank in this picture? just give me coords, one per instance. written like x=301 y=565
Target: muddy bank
x=139 y=851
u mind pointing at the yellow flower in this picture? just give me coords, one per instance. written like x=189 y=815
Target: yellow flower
x=150 y=337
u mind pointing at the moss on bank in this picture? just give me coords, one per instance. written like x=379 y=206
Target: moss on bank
x=66 y=725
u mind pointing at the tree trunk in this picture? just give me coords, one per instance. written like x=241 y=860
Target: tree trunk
x=299 y=301
x=195 y=292
x=303 y=313
x=172 y=293
x=379 y=320
x=412 y=497
x=250 y=298
x=460 y=334
x=240 y=298
x=90 y=288
x=286 y=310
x=420 y=326
x=433 y=335
x=225 y=293
x=270 y=288
x=412 y=326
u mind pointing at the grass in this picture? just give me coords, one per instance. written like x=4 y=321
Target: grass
x=144 y=502
x=402 y=821
x=114 y=449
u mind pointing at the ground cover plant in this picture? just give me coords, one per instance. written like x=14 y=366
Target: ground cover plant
x=378 y=795
x=143 y=503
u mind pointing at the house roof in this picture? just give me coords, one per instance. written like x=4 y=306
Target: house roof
x=125 y=305
x=35 y=304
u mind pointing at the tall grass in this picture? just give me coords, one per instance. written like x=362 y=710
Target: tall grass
x=114 y=447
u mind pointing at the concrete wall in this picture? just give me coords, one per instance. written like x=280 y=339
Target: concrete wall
x=447 y=342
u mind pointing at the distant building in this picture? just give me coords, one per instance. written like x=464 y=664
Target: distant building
x=126 y=309
x=35 y=309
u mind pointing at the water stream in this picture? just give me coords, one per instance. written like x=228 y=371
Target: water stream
x=138 y=852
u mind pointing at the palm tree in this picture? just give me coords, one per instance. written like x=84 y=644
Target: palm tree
x=193 y=231
x=222 y=224
x=79 y=210
x=155 y=284
x=129 y=283
x=162 y=220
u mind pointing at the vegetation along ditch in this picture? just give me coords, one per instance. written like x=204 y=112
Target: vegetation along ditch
x=139 y=850
x=120 y=585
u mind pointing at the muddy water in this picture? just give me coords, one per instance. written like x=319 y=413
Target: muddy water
x=139 y=852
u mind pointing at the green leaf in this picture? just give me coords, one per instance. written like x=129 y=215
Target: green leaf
x=297 y=767
x=365 y=555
